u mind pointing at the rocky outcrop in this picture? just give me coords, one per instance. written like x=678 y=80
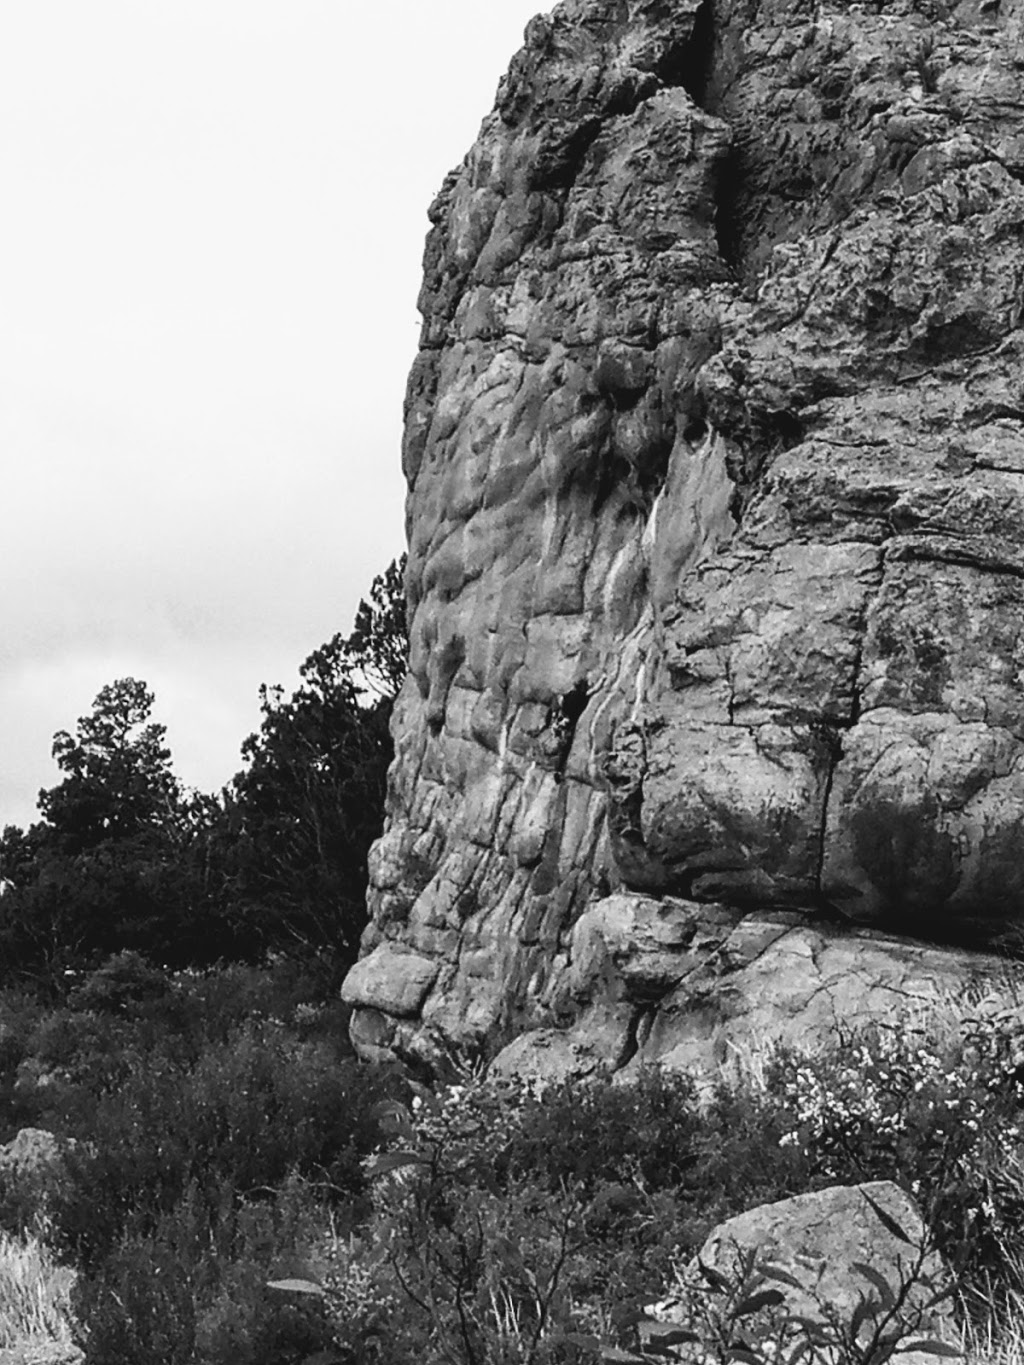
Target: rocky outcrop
x=715 y=451
x=700 y=988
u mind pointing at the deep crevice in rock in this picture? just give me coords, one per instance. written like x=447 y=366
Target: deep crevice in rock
x=558 y=167
x=728 y=190
x=566 y=715
x=631 y=1043
x=774 y=433
x=690 y=64
x=832 y=745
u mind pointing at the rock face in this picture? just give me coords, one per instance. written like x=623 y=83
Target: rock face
x=695 y=987
x=715 y=452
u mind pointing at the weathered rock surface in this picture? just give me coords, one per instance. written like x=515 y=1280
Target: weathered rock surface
x=820 y=1240
x=715 y=451
x=693 y=986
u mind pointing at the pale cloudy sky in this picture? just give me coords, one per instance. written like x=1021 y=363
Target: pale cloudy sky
x=210 y=243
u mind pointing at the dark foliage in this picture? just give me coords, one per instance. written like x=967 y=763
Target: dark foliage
x=220 y=1124
x=102 y=869
x=124 y=859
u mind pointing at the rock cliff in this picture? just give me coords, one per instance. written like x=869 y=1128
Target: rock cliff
x=715 y=454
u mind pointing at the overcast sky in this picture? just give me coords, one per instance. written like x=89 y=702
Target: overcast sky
x=210 y=246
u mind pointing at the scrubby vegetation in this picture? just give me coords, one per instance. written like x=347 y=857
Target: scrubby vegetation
x=219 y=1182
x=35 y=1294
x=513 y=1225
x=169 y=969
x=219 y=1125
x=226 y=1142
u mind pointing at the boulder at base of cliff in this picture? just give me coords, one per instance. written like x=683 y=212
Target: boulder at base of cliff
x=392 y=978
x=829 y=1247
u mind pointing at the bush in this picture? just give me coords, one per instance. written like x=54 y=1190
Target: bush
x=509 y=1224
x=941 y=1117
x=120 y=986
x=138 y=1306
x=182 y=1294
x=514 y=1225
x=20 y=1013
x=35 y=1293
x=225 y=1140
x=232 y=1125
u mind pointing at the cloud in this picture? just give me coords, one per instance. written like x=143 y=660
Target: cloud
x=209 y=261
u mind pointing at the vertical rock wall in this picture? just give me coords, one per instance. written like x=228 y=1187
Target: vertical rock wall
x=715 y=451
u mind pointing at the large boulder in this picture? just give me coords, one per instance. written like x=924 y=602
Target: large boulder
x=715 y=453
x=831 y=1247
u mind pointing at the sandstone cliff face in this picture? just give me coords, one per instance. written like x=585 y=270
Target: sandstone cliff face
x=715 y=451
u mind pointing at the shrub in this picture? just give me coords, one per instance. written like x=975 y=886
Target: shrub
x=196 y=1293
x=209 y=1007
x=511 y=1225
x=20 y=1012
x=138 y=1306
x=120 y=986
x=940 y=1116
x=232 y=1125
x=514 y=1225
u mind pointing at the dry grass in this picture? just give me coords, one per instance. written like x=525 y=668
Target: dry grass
x=999 y=1339
x=35 y=1295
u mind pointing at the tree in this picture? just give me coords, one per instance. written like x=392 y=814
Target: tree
x=310 y=800
x=103 y=869
x=111 y=864
x=123 y=858
x=118 y=783
x=378 y=646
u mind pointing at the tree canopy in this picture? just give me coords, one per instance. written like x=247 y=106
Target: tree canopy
x=124 y=858
x=118 y=781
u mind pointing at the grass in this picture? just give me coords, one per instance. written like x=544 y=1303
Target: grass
x=35 y=1295
x=997 y=1342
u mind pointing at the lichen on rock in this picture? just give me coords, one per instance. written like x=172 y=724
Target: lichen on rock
x=715 y=452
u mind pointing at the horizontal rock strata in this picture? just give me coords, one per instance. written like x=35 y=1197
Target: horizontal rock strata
x=715 y=452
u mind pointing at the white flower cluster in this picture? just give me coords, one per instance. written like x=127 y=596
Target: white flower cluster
x=873 y=1094
x=355 y=1294
x=464 y=1112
